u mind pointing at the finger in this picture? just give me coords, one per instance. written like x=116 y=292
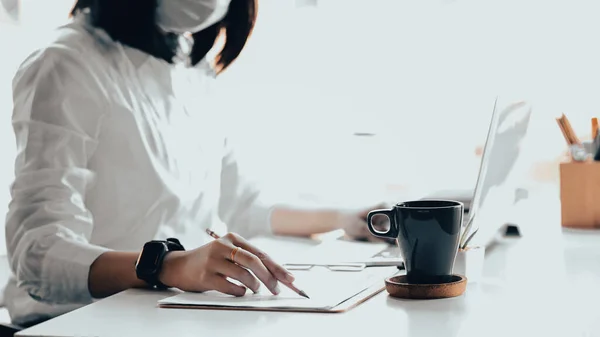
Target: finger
x=360 y=233
x=367 y=238
x=224 y=249
x=391 y=242
x=370 y=237
x=363 y=214
x=236 y=272
x=373 y=238
x=278 y=270
x=221 y=284
x=381 y=223
x=381 y=220
x=274 y=268
x=248 y=260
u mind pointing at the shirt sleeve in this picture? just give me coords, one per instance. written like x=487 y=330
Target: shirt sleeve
x=240 y=206
x=56 y=120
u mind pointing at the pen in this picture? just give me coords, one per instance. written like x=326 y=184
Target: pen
x=597 y=154
x=289 y=285
x=596 y=143
x=567 y=130
x=464 y=239
x=465 y=245
x=595 y=135
x=562 y=130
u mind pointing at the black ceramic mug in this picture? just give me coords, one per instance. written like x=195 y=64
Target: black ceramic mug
x=428 y=233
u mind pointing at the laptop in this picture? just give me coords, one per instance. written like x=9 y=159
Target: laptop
x=506 y=131
x=507 y=128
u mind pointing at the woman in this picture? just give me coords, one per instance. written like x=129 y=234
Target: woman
x=119 y=149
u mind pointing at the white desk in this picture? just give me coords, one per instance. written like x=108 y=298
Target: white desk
x=546 y=283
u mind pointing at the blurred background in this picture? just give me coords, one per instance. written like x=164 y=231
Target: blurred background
x=346 y=102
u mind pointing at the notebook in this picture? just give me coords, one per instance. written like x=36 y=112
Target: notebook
x=329 y=291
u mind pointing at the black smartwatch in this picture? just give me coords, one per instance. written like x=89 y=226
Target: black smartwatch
x=149 y=262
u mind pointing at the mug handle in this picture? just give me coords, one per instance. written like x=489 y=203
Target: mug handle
x=392 y=233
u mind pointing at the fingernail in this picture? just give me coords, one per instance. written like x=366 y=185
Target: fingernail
x=276 y=289
x=289 y=277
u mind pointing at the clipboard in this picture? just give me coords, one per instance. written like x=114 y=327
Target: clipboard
x=349 y=300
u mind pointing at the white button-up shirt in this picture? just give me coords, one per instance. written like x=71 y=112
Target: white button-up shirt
x=115 y=148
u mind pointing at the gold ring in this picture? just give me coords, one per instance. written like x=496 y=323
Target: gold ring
x=233 y=252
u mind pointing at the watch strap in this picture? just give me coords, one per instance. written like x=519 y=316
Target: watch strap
x=172 y=245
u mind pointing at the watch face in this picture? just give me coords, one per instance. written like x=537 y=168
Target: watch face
x=149 y=259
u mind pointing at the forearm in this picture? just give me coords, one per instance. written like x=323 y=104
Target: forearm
x=297 y=222
x=113 y=272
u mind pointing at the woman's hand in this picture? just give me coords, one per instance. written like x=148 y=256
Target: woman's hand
x=355 y=224
x=208 y=267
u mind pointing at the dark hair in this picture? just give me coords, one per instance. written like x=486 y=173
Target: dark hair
x=132 y=22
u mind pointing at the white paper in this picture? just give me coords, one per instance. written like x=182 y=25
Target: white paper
x=326 y=289
x=339 y=251
x=306 y=251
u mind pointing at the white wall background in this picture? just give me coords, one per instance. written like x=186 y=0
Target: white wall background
x=421 y=75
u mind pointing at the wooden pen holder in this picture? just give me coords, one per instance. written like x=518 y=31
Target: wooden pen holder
x=580 y=194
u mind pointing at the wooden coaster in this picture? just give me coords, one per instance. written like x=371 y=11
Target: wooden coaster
x=399 y=287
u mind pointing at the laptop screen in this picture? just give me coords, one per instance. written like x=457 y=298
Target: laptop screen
x=508 y=127
x=481 y=177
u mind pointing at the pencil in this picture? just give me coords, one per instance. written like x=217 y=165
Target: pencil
x=289 y=285
x=563 y=131
x=570 y=130
x=594 y=128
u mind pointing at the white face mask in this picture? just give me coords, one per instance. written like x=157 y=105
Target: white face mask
x=189 y=16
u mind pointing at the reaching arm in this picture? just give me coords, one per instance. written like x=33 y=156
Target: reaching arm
x=297 y=222
x=241 y=209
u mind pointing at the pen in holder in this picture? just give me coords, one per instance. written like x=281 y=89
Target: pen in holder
x=580 y=193
x=580 y=178
x=469 y=259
